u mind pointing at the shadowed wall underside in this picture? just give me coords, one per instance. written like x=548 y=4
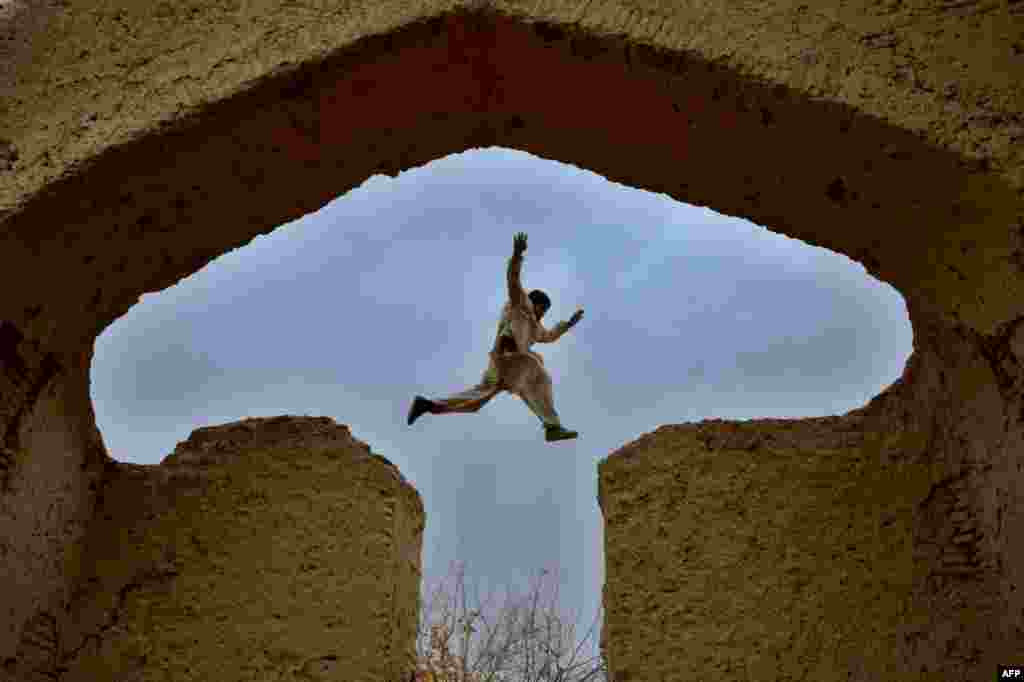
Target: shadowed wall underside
x=139 y=143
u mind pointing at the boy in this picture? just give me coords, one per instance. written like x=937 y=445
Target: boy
x=513 y=367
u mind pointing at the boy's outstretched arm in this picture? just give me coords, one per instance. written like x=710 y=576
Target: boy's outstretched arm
x=515 y=265
x=555 y=333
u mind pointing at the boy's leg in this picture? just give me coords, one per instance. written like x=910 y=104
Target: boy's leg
x=535 y=389
x=541 y=404
x=470 y=400
x=525 y=376
x=539 y=399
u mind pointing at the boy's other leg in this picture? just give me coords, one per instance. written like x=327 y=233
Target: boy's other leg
x=536 y=391
x=538 y=397
x=470 y=400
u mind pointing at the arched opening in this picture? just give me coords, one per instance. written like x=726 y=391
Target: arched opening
x=690 y=315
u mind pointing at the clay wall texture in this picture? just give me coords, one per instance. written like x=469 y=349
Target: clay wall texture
x=267 y=549
x=138 y=141
x=762 y=550
x=874 y=545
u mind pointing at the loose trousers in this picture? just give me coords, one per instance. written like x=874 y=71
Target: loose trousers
x=522 y=374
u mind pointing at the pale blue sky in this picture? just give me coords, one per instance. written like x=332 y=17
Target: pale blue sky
x=396 y=288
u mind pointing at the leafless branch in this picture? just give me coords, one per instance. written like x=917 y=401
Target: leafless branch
x=523 y=640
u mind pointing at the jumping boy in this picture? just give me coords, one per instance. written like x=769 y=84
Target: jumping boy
x=513 y=367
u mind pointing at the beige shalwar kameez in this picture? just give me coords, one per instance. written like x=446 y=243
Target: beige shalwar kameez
x=521 y=372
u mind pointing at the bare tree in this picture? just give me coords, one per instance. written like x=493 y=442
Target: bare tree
x=524 y=640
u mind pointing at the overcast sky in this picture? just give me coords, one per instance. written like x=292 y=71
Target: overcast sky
x=395 y=289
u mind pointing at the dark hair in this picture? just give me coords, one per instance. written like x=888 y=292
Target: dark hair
x=538 y=297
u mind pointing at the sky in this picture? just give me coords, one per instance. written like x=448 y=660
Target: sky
x=395 y=289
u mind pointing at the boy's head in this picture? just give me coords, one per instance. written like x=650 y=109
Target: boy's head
x=540 y=301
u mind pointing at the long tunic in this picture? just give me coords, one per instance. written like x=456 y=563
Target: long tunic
x=518 y=319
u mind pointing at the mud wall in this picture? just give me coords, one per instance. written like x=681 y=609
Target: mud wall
x=762 y=550
x=271 y=549
x=139 y=142
x=878 y=544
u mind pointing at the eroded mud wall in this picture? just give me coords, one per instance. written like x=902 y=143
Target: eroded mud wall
x=267 y=549
x=762 y=550
x=876 y=545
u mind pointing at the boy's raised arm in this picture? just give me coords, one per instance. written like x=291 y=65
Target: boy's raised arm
x=515 y=265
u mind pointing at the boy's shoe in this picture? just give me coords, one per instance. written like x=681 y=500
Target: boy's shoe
x=419 y=406
x=553 y=433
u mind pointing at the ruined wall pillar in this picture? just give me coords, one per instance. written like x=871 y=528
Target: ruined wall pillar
x=270 y=548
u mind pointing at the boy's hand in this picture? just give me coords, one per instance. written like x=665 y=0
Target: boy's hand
x=519 y=244
x=576 y=317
